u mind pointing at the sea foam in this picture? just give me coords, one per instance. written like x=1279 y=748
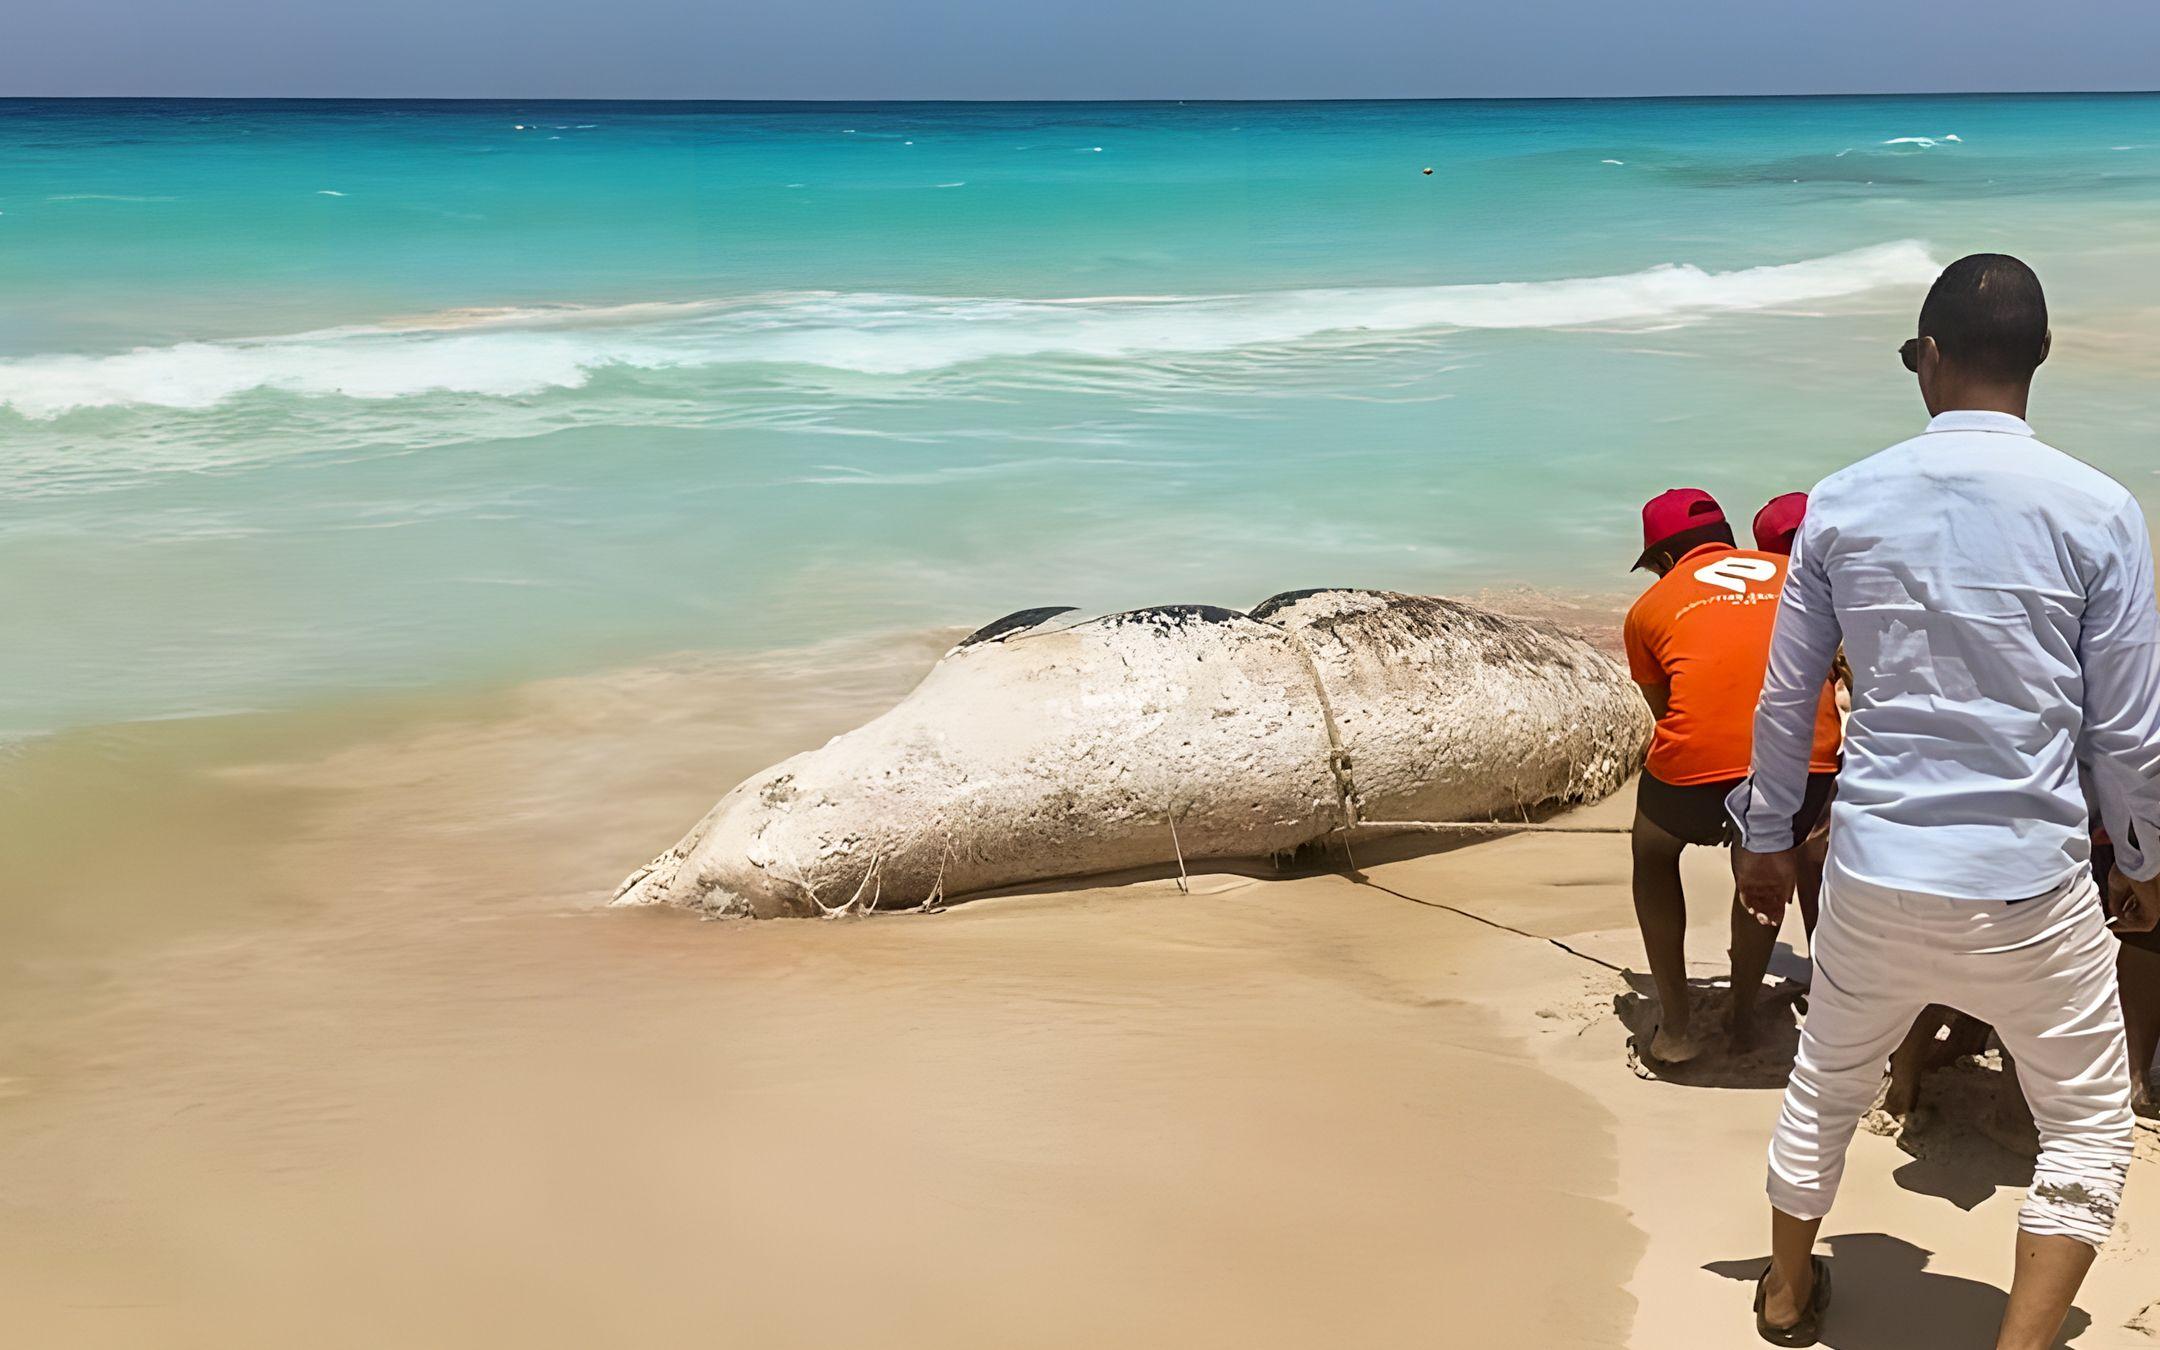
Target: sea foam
x=521 y=352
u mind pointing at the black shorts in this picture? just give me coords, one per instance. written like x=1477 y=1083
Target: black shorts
x=2103 y=862
x=1695 y=814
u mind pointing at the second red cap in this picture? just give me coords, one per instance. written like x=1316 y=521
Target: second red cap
x=1779 y=521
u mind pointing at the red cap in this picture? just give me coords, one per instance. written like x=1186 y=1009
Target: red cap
x=1779 y=521
x=1675 y=511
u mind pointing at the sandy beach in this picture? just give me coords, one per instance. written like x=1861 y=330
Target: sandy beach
x=339 y=1048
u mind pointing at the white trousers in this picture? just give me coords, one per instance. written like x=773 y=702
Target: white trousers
x=2042 y=971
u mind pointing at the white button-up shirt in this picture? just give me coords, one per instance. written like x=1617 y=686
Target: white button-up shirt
x=1995 y=600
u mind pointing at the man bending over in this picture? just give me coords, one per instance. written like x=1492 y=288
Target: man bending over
x=1697 y=641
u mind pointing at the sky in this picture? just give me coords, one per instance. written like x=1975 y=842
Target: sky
x=1057 y=49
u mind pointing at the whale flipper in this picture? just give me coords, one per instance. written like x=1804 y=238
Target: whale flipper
x=1019 y=621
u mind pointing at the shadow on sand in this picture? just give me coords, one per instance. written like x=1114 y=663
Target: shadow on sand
x=1967 y=1176
x=1331 y=855
x=1886 y=1298
x=1764 y=1065
x=1968 y=1137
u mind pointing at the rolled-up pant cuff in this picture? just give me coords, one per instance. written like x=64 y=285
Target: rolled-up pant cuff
x=1800 y=1203
x=2066 y=1207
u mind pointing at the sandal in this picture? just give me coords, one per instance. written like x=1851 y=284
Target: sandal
x=1808 y=1329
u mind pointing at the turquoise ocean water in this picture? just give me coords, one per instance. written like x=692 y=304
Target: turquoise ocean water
x=303 y=399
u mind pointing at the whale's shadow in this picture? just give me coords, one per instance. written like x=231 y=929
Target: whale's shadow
x=1329 y=855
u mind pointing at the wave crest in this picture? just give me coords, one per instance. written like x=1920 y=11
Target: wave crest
x=516 y=353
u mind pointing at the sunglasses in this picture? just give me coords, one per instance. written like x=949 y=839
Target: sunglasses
x=1910 y=355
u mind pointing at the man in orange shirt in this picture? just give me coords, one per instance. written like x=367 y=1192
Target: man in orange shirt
x=1698 y=642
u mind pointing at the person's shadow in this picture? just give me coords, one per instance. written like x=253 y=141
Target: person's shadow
x=1766 y=1065
x=1966 y=1180
x=1883 y=1297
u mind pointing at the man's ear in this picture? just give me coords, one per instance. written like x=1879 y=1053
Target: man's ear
x=1929 y=355
x=2047 y=344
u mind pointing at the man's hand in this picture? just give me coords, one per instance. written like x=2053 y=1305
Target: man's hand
x=1766 y=882
x=2132 y=906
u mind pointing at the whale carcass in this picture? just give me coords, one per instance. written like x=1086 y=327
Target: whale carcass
x=1033 y=751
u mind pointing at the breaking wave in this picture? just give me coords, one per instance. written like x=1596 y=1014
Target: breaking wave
x=522 y=352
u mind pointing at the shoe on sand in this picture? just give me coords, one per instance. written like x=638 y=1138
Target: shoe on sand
x=1808 y=1329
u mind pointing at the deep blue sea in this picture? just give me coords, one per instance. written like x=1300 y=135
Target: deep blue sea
x=306 y=399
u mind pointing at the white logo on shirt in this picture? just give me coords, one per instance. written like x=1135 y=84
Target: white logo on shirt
x=1734 y=573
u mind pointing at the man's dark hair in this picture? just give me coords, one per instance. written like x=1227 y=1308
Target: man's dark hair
x=1679 y=545
x=1988 y=316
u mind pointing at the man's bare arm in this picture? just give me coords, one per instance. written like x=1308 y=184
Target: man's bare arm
x=1658 y=696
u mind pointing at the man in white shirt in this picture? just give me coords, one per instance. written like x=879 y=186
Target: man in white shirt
x=1994 y=598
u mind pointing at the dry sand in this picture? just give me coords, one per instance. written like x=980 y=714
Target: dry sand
x=312 y=1034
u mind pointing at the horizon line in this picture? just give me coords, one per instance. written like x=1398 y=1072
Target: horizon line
x=1075 y=100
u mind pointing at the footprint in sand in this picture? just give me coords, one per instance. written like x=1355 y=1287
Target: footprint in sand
x=2146 y=1322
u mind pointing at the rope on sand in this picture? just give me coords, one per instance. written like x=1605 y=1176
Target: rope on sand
x=1494 y=827
x=1488 y=827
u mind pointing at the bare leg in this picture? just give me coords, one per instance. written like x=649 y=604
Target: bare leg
x=2009 y=1122
x=1813 y=855
x=2049 y=1271
x=1910 y=1062
x=1792 y=1268
x=1752 y=943
x=2139 y=972
x=1968 y=1036
x=1661 y=913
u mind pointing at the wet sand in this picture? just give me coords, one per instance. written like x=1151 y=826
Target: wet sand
x=314 y=1033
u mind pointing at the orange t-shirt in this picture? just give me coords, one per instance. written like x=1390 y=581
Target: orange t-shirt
x=1704 y=630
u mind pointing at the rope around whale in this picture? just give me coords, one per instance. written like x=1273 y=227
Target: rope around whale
x=1347 y=803
x=1346 y=794
x=1338 y=758
x=1339 y=769
x=1346 y=789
